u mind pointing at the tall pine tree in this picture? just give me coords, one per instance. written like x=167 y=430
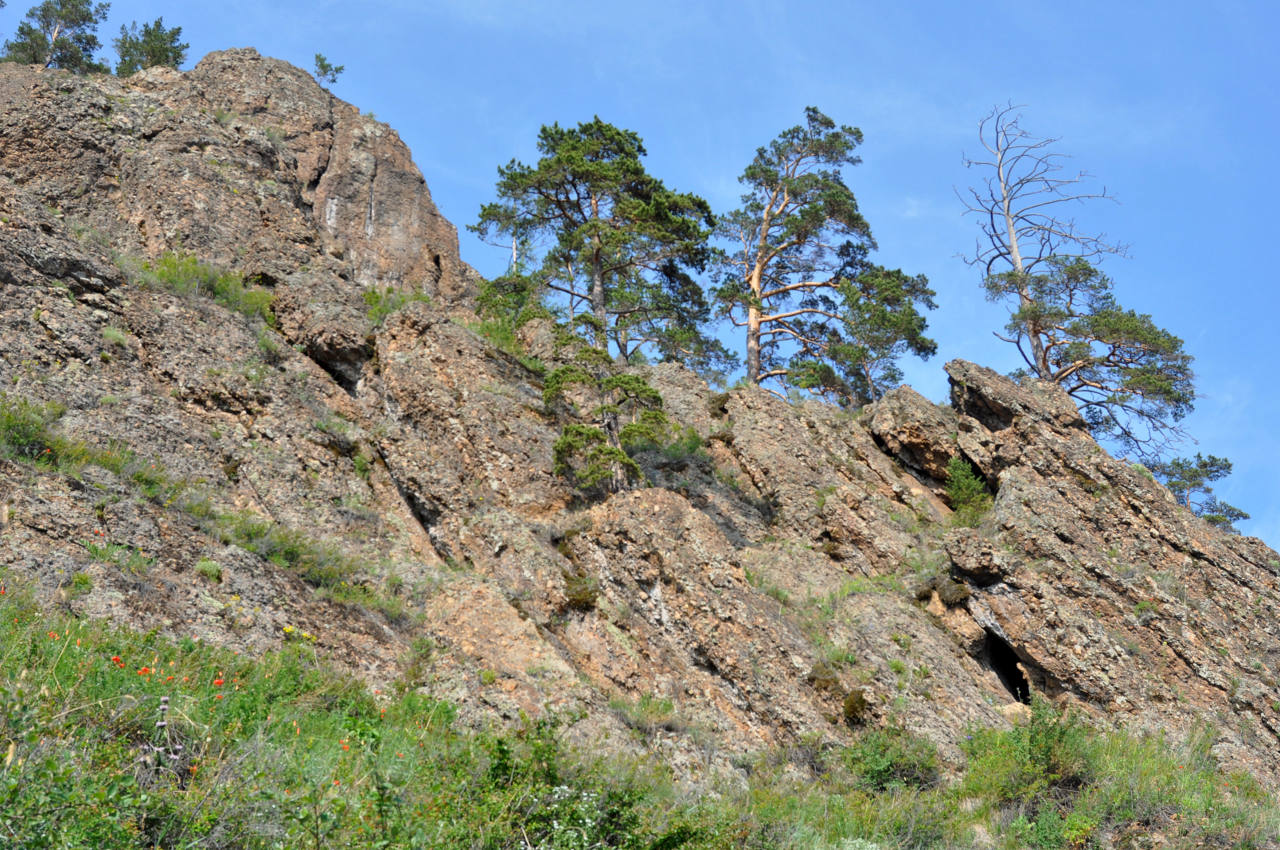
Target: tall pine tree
x=618 y=248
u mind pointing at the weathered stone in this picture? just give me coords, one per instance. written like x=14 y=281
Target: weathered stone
x=738 y=585
x=916 y=431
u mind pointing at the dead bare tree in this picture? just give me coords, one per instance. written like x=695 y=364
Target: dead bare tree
x=1130 y=378
x=1018 y=206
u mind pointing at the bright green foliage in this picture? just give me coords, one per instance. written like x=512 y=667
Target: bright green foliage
x=60 y=34
x=325 y=71
x=185 y=275
x=24 y=428
x=869 y=318
x=1072 y=786
x=622 y=246
x=151 y=46
x=1188 y=479
x=817 y=315
x=966 y=492
x=27 y=434
x=1130 y=378
x=108 y=751
x=626 y=415
x=892 y=758
x=123 y=741
x=383 y=302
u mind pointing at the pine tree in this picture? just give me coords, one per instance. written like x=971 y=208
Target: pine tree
x=1131 y=378
x=621 y=251
x=325 y=71
x=1188 y=480
x=817 y=314
x=60 y=34
x=149 y=47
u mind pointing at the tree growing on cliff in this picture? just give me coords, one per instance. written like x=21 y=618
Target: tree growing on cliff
x=1130 y=377
x=60 y=34
x=817 y=314
x=624 y=413
x=149 y=47
x=1189 y=479
x=604 y=239
x=325 y=71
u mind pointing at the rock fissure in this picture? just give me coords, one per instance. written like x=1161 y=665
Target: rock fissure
x=1084 y=582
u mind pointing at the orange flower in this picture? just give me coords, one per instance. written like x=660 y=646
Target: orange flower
x=217 y=682
x=217 y=696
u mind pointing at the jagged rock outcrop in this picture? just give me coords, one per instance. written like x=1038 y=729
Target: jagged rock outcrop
x=793 y=572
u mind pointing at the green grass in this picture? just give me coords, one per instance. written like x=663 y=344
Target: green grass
x=381 y=303
x=121 y=740
x=27 y=434
x=127 y=558
x=114 y=739
x=186 y=275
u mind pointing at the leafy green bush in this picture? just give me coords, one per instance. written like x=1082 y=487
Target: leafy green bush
x=1025 y=764
x=24 y=427
x=966 y=492
x=892 y=758
x=26 y=434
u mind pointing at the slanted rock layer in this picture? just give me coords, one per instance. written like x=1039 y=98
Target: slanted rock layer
x=795 y=575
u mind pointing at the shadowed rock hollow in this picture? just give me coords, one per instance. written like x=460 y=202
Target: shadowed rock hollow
x=801 y=561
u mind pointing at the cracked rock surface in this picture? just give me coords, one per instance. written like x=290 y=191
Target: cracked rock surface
x=792 y=557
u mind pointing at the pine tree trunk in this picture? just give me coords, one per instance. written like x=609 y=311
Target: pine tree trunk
x=753 y=344
x=597 y=283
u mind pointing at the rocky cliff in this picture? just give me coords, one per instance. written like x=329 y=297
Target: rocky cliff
x=382 y=485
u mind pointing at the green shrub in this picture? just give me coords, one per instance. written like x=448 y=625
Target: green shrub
x=317 y=563
x=648 y=714
x=209 y=569
x=967 y=493
x=185 y=275
x=127 y=558
x=889 y=758
x=1053 y=750
x=381 y=303
x=26 y=435
x=115 y=336
x=81 y=584
x=24 y=427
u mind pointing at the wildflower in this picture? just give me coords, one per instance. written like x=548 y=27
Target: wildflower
x=217 y=682
x=115 y=659
x=345 y=747
x=217 y=696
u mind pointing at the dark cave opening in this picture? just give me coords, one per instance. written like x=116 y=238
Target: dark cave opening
x=997 y=655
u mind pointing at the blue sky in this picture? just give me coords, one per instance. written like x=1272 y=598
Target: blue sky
x=1172 y=105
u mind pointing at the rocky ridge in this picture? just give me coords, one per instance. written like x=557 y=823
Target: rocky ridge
x=791 y=574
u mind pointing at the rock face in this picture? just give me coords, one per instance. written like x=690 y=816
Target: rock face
x=385 y=485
